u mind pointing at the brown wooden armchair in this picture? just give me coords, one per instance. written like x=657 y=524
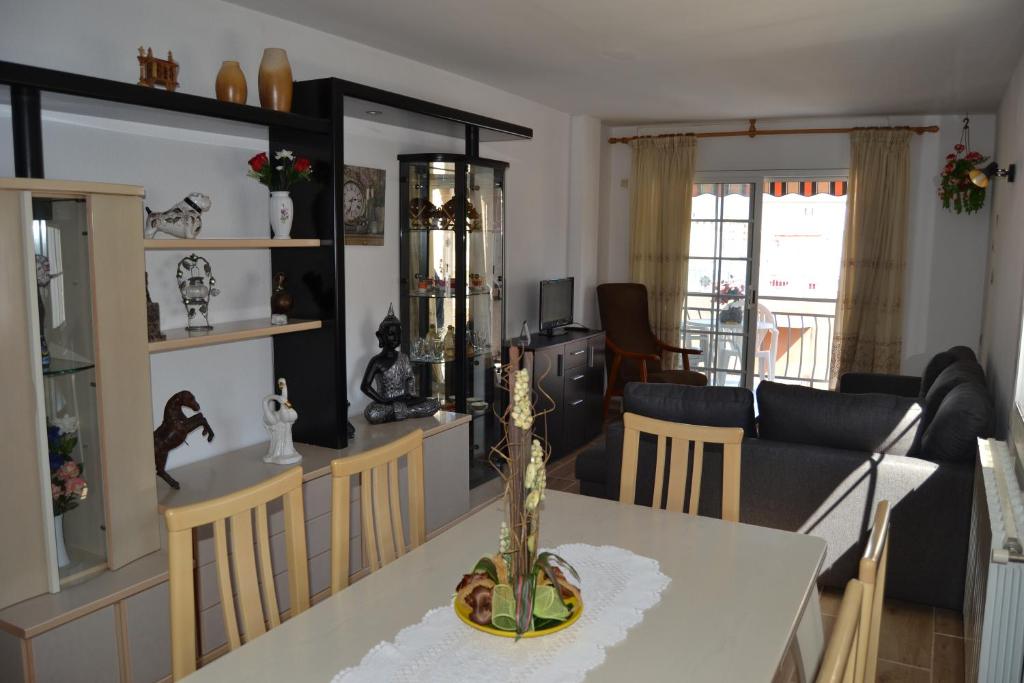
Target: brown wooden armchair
x=634 y=348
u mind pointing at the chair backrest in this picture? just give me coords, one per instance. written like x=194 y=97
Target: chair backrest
x=681 y=435
x=382 y=531
x=872 y=574
x=625 y=316
x=238 y=509
x=764 y=315
x=838 y=663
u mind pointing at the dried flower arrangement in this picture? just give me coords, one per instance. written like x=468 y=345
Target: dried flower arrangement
x=518 y=592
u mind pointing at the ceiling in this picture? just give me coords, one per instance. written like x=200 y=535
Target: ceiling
x=671 y=60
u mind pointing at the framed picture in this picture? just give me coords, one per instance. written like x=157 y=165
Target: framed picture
x=363 y=202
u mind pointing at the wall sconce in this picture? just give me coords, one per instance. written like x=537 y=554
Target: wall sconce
x=980 y=178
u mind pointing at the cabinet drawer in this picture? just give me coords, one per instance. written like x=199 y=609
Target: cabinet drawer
x=576 y=354
x=576 y=382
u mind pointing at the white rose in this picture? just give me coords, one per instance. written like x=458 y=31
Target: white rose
x=284 y=154
x=67 y=424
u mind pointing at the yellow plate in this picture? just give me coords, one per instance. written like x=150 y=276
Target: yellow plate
x=576 y=605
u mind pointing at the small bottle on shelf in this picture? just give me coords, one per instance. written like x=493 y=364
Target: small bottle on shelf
x=449 y=343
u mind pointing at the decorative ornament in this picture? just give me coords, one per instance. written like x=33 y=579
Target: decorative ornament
x=389 y=381
x=279 y=175
x=957 y=192
x=175 y=428
x=275 y=80
x=154 y=71
x=197 y=285
x=519 y=592
x=184 y=219
x=230 y=85
x=43 y=277
x=281 y=302
x=153 y=317
x=278 y=423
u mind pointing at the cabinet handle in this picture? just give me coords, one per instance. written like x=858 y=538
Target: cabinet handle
x=577 y=378
x=559 y=373
x=576 y=402
x=577 y=353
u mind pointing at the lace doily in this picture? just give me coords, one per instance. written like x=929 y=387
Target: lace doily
x=618 y=586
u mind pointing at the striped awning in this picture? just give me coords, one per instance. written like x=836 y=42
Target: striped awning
x=776 y=188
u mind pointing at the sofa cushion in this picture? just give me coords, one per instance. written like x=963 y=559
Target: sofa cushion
x=711 y=406
x=875 y=423
x=940 y=362
x=956 y=373
x=964 y=415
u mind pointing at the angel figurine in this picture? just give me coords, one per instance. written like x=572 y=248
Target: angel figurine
x=278 y=423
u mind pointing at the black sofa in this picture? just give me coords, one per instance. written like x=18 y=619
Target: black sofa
x=818 y=462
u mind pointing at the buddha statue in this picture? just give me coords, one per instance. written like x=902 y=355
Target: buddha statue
x=389 y=381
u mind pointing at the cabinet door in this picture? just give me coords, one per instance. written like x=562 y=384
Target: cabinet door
x=549 y=378
x=122 y=372
x=593 y=422
x=24 y=565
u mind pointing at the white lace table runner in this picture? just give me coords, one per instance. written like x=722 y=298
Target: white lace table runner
x=618 y=586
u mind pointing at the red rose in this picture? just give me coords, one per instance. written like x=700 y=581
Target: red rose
x=958 y=147
x=301 y=165
x=258 y=162
x=950 y=156
x=973 y=156
x=949 y=168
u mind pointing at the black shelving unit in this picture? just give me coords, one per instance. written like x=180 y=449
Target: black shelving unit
x=452 y=284
x=313 y=361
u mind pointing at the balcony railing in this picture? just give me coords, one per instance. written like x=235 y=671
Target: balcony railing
x=803 y=353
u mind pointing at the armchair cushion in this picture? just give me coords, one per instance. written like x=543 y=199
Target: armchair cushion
x=952 y=435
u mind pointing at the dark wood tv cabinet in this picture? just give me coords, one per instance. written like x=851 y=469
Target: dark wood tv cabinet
x=570 y=368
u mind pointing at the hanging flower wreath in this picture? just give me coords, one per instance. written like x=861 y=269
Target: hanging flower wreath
x=957 y=192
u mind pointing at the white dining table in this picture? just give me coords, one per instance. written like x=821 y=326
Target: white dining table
x=739 y=596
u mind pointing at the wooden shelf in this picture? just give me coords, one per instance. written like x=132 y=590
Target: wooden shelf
x=223 y=333
x=200 y=244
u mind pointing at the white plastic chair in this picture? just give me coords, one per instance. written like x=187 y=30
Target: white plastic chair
x=766 y=358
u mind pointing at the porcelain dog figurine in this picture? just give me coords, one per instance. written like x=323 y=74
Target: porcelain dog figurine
x=184 y=219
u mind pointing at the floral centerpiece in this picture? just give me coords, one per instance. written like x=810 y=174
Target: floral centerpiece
x=956 y=191
x=280 y=175
x=67 y=487
x=518 y=591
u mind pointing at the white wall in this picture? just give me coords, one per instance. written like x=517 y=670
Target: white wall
x=1003 y=295
x=945 y=270
x=584 y=209
x=100 y=37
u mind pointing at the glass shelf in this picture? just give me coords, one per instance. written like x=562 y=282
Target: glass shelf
x=63 y=366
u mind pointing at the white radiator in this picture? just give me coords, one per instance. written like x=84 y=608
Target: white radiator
x=994 y=594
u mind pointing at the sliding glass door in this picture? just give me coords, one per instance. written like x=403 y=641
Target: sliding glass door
x=763 y=276
x=720 y=270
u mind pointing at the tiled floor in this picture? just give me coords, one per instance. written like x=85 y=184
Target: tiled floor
x=917 y=644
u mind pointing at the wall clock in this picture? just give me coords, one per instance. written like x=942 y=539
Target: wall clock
x=362 y=202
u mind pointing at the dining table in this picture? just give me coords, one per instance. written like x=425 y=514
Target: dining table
x=738 y=598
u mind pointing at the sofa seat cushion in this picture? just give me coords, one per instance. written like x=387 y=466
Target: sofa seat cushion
x=710 y=406
x=875 y=423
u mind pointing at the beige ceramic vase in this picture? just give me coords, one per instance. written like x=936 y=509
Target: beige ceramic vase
x=275 y=80
x=231 y=85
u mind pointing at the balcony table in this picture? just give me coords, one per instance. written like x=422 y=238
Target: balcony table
x=739 y=596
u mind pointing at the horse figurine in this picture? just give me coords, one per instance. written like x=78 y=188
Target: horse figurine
x=175 y=428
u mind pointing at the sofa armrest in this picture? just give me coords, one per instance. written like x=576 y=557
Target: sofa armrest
x=876 y=383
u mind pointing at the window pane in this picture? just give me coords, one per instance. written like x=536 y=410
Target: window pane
x=734 y=240
x=738 y=206
x=702 y=238
x=703 y=207
x=700 y=275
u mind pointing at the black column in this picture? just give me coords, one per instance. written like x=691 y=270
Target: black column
x=472 y=141
x=27 y=127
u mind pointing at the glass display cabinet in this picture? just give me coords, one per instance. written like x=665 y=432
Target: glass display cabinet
x=452 y=219
x=78 y=456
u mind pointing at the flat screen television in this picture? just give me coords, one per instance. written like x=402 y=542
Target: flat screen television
x=555 y=304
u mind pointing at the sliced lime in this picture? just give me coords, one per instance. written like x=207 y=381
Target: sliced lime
x=547 y=604
x=503 y=607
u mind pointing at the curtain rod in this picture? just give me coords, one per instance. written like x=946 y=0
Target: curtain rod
x=754 y=131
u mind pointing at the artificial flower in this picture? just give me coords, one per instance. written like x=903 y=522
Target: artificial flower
x=258 y=162
x=67 y=424
x=301 y=165
x=284 y=154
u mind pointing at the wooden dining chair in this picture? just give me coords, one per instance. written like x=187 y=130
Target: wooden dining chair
x=838 y=665
x=238 y=509
x=872 y=575
x=681 y=435
x=383 y=534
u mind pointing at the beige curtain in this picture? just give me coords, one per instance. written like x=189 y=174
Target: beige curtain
x=661 y=193
x=869 y=312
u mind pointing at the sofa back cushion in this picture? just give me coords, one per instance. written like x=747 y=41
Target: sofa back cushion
x=876 y=423
x=940 y=362
x=711 y=406
x=965 y=414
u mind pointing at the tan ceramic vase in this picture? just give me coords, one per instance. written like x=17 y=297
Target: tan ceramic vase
x=231 y=85
x=275 y=80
